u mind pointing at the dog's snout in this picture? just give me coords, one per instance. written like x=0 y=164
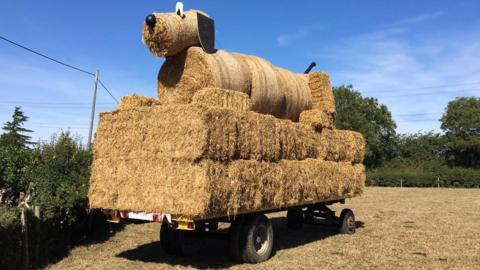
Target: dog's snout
x=151 y=20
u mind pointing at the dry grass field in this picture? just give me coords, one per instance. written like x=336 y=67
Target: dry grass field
x=397 y=229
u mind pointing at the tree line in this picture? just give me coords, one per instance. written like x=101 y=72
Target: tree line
x=450 y=158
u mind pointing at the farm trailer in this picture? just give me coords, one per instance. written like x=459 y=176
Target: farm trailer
x=251 y=235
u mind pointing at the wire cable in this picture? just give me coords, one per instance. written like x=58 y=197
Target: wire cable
x=45 y=56
x=58 y=62
x=104 y=87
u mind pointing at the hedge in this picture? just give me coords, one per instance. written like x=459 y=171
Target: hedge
x=424 y=177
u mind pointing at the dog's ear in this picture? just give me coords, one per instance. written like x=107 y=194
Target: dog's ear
x=206 y=33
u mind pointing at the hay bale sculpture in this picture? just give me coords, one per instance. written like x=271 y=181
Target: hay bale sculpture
x=229 y=133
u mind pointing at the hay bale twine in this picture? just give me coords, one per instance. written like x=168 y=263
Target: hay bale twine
x=265 y=94
x=272 y=90
x=171 y=33
x=183 y=74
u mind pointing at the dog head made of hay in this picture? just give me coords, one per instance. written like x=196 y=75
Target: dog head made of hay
x=167 y=34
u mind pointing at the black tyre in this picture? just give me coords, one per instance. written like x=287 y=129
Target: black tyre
x=256 y=239
x=170 y=240
x=347 y=222
x=294 y=218
x=235 y=249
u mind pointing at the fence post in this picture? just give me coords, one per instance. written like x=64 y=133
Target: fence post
x=438 y=182
x=401 y=182
x=23 y=218
x=36 y=210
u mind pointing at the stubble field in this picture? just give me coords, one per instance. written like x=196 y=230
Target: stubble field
x=397 y=228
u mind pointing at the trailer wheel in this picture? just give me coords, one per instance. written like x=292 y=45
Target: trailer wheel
x=347 y=222
x=170 y=240
x=294 y=218
x=257 y=237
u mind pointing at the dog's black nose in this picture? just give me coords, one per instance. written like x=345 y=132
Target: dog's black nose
x=151 y=20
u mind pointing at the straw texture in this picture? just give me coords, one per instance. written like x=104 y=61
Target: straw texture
x=271 y=90
x=217 y=97
x=322 y=94
x=342 y=145
x=193 y=132
x=134 y=101
x=171 y=34
x=208 y=189
x=317 y=119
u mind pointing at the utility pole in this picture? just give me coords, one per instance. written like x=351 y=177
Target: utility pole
x=94 y=102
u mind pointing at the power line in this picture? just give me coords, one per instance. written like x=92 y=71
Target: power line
x=104 y=87
x=45 y=56
x=48 y=103
x=56 y=61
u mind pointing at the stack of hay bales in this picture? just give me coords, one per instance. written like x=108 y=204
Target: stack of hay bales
x=229 y=134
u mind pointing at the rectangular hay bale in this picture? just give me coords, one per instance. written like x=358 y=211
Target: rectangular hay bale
x=135 y=101
x=341 y=145
x=208 y=189
x=317 y=119
x=193 y=132
x=218 y=97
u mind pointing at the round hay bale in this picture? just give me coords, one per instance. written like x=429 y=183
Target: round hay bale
x=265 y=94
x=171 y=33
x=183 y=74
x=272 y=90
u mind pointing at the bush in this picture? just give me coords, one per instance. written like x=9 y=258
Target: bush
x=10 y=238
x=427 y=176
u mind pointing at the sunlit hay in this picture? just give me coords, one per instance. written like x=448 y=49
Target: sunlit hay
x=193 y=132
x=342 y=145
x=208 y=189
x=265 y=94
x=322 y=94
x=134 y=101
x=317 y=119
x=217 y=97
x=272 y=90
x=184 y=74
x=296 y=91
x=172 y=33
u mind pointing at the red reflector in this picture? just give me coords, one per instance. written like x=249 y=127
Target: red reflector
x=190 y=225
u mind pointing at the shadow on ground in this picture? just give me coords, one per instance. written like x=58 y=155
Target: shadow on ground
x=210 y=250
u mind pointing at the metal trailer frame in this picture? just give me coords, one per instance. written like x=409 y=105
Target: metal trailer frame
x=251 y=234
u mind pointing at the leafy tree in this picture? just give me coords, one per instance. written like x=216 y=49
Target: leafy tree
x=370 y=118
x=15 y=132
x=417 y=149
x=461 y=123
x=14 y=156
x=59 y=173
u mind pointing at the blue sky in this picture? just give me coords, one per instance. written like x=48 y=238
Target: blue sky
x=383 y=48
